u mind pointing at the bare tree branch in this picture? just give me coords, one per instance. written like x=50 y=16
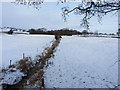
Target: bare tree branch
x=92 y=8
x=35 y=3
x=86 y=8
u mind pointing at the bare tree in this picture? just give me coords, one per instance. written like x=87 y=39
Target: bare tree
x=35 y=3
x=90 y=8
x=86 y=8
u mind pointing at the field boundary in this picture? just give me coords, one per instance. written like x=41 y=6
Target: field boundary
x=34 y=70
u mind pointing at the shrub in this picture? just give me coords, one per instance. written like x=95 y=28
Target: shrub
x=37 y=76
x=10 y=32
x=24 y=65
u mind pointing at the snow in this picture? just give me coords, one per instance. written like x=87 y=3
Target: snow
x=84 y=62
x=79 y=62
x=12 y=77
x=13 y=46
x=20 y=32
x=0 y=50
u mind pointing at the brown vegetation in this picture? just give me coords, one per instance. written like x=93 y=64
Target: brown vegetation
x=24 y=64
x=11 y=66
x=35 y=71
x=55 y=32
x=37 y=76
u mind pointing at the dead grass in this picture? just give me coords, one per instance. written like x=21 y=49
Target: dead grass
x=35 y=71
x=48 y=53
x=55 y=44
x=44 y=60
x=37 y=76
x=24 y=65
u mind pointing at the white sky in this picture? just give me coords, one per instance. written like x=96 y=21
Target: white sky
x=49 y=16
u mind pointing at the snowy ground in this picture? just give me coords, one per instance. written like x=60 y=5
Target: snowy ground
x=84 y=62
x=13 y=46
x=0 y=50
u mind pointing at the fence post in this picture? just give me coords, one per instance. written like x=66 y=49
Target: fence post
x=43 y=82
x=10 y=62
x=23 y=55
x=37 y=50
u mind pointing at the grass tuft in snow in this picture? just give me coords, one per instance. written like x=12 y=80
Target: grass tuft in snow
x=25 y=64
x=36 y=77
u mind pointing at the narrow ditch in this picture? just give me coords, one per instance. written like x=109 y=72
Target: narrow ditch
x=35 y=75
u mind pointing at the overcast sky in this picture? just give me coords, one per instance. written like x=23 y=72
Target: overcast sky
x=49 y=16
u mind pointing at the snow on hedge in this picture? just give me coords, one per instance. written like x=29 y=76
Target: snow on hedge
x=12 y=77
x=84 y=62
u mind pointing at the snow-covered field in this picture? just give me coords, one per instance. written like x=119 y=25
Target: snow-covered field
x=13 y=46
x=84 y=62
x=79 y=62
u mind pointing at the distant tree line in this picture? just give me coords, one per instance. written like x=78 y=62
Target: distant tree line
x=55 y=32
x=10 y=32
x=64 y=31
